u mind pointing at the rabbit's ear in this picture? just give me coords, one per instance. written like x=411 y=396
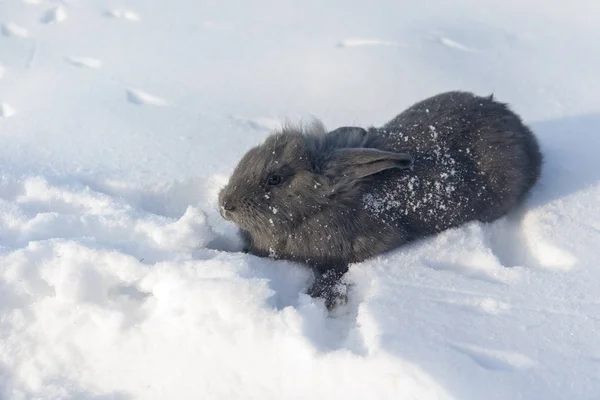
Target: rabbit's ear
x=362 y=162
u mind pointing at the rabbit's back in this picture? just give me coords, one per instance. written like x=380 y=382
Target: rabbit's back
x=474 y=159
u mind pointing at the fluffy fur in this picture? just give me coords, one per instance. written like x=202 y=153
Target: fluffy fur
x=350 y=194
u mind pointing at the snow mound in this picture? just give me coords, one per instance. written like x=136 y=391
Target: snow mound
x=95 y=285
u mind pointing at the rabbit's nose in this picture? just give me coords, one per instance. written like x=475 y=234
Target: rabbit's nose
x=226 y=210
x=228 y=206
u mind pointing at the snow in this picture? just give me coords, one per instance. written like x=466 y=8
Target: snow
x=54 y=15
x=119 y=279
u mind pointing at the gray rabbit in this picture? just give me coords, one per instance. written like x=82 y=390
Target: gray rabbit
x=330 y=199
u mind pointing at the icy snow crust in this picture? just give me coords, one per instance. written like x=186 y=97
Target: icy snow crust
x=120 y=121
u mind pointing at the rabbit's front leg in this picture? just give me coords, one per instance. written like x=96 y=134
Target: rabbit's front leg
x=329 y=286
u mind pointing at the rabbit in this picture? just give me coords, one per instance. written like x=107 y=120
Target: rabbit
x=329 y=199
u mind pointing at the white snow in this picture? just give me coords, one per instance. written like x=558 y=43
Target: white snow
x=6 y=111
x=365 y=42
x=119 y=279
x=87 y=62
x=454 y=45
x=124 y=14
x=140 y=97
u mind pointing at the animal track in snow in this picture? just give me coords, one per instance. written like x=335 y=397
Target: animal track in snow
x=54 y=15
x=124 y=14
x=365 y=42
x=10 y=29
x=497 y=360
x=140 y=97
x=454 y=45
x=6 y=111
x=85 y=62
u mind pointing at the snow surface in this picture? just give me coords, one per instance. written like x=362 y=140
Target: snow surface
x=120 y=120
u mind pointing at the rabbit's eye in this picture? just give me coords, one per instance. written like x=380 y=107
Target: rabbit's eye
x=274 y=180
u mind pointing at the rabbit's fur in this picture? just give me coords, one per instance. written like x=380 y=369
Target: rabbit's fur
x=330 y=199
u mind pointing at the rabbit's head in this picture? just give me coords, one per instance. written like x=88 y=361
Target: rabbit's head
x=297 y=176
